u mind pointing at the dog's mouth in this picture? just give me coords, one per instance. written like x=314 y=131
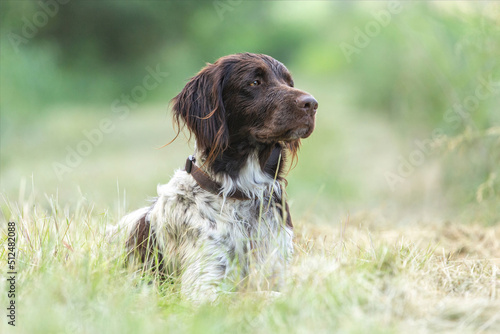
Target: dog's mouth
x=299 y=133
x=289 y=135
x=300 y=130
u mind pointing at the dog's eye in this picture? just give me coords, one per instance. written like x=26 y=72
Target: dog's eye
x=255 y=83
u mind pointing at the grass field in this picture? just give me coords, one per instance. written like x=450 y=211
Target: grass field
x=352 y=277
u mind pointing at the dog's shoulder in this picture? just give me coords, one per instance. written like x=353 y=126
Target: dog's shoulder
x=182 y=203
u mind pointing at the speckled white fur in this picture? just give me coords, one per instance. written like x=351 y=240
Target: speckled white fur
x=215 y=242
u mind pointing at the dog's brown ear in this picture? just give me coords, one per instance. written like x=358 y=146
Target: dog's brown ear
x=201 y=108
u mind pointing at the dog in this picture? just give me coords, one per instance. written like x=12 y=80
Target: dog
x=223 y=223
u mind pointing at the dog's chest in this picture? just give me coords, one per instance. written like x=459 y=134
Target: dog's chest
x=234 y=227
x=255 y=224
x=253 y=235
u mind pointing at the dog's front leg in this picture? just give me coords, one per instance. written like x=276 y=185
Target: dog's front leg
x=204 y=272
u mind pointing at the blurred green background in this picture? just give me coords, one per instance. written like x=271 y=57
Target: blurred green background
x=388 y=76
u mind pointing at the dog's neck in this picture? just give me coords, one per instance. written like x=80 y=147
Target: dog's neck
x=255 y=170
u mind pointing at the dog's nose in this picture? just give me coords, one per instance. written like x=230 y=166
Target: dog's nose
x=308 y=104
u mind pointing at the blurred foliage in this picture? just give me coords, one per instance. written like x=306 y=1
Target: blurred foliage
x=421 y=62
x=413 y=73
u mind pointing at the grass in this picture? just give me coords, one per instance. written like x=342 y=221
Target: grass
x=355 y=278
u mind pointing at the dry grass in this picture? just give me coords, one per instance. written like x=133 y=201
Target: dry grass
x=358 y=278
x=428 y=278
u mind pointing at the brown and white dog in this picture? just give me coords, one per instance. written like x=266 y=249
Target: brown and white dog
x=223 y=221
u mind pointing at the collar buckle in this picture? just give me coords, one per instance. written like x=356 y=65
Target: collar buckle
x=189 y=164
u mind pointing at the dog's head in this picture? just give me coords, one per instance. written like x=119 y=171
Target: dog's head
x=246 y=98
